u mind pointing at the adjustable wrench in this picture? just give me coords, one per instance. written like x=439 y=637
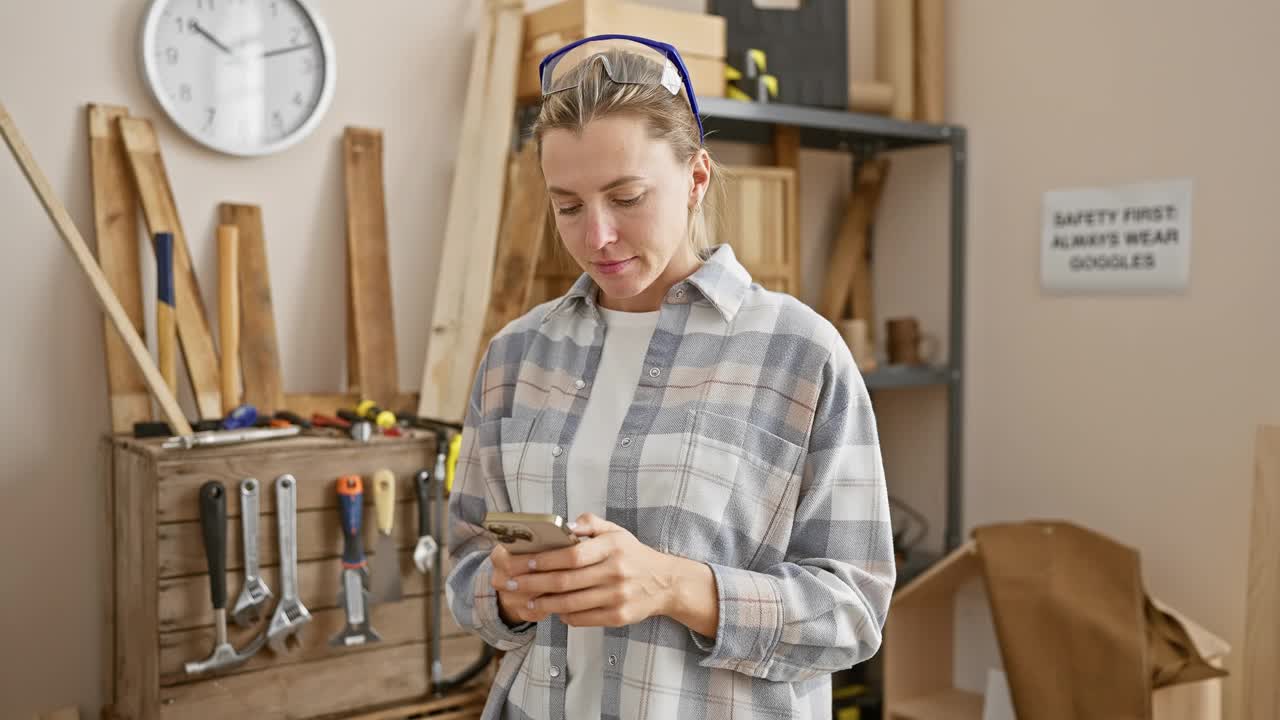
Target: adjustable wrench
x=255 y=592
x=290 y=614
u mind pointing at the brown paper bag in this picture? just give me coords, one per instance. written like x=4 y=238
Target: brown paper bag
x=1078 y=634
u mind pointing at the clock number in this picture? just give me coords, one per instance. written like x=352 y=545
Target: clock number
x=182 y=27
x=171 y=54
x=278 y=120
x=295 y=35
x=208 y=123
x=275 y=9
x=297 y=99
x=201 y=3
x=308 y=65
x=184 y=92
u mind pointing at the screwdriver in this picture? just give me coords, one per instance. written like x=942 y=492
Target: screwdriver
x=369 y=410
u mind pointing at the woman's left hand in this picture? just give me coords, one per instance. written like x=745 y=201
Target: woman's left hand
x=611 y=579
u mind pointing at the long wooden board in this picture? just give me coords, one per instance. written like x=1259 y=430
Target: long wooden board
x=475 y=205
x=161 y=214
x=524 y=225
x=373 y=331
x=57 y=213
x=930 y=60
x=397 y=623
x=848 y=280
x=136 y=652
x=895 y=53
x=115 y=218
x=320 y=688
x=259 y=347
x=1262 y=612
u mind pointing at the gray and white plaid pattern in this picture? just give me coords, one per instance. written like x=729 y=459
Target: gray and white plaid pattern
x=750 y=445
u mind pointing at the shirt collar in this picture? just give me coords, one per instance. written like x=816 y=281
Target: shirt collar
x=721 y=280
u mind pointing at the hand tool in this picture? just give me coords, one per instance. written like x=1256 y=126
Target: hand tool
x=386 y=557
x=241 y=417
x=353 y=595
x=424 y=553
x=290 y=614
x=228 y=437
x=369 y=410
x=362 y=431
x=292 y=418
x=102 y=289
x=329 y=421
x=229 y=315
x=255 y=593
x=213 y=526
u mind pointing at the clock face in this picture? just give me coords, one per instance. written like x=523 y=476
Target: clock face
x=245 y=77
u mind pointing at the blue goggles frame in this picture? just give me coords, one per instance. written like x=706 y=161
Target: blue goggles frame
x=667 y=50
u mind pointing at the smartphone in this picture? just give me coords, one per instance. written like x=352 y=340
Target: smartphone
x=524 y=533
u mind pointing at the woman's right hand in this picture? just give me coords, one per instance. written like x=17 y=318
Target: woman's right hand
x=513 y=605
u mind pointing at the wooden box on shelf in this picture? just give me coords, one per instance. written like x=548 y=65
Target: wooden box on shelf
x=157 y=598
x=699 y=37
x=759 y=220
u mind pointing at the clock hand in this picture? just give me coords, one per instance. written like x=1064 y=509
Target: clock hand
x=211 y=38
x=282 y=51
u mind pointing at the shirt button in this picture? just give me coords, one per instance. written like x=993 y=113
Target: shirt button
x=626 y=442
x=579 y=384
x=654 y=372
x=555 y=671
x=613 y=659
x=557 y=450
x=680 y=293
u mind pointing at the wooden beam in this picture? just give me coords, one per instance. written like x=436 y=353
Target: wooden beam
x=1262 y=612
x=161 y=213
x=471 y=232
x=259 y=347
x=930 y=61
x=847 y=270
x=115 y=218
x=895 y=34
x=102 y=289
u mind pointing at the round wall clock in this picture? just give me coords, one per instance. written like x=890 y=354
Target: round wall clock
x=244 y=77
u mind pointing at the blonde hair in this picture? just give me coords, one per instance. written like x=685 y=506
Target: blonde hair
x=668 y=116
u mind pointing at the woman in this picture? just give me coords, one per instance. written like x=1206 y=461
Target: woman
x=713 y=441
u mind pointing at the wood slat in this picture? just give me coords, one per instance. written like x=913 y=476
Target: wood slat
x=305 y=404
x=471 y=233
x=179 y=485
x=462 y=705
x=524 y=225
x=339 y=684
x=847 y=270
x=396 y=623
x=1262 y=612
x=115 y=219
x=895 y=53
x=136 y=651
x=930 y=61
x=259 y=346
x=373 y=331
x=181 y=549
x=184 y=602
x=161 y=214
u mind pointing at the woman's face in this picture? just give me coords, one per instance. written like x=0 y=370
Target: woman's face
x=621 y=201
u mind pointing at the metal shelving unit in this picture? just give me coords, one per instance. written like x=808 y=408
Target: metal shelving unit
x=866 y=136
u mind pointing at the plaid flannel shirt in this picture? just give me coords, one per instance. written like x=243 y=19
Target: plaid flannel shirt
x=750 y=445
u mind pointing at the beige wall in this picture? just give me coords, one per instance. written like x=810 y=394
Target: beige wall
x=1132 y=415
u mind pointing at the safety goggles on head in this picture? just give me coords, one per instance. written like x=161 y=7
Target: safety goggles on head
x=626 y=59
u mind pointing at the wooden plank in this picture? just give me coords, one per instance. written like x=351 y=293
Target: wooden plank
x=161 y=214
x=397 y=623
x=895 y=56
x=930 y=60
x=786 y=148
x=323 y=687
x=70 y=712
x=861 y=289
x=229 y=315
x=136 y=642
x=115 y=219
x=180 y=551
x=465 y=705
x=1262 y=612
x=305 y=404
x=316 y=472
x=184 y=601
x=946 y=705
x=102 y=289
x=846 y=267
x=259 y=347
x=520 y=243
x=107 y=461
x=466 y=265
x=369 y=266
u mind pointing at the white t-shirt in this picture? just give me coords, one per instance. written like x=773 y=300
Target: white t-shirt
x=626 y=341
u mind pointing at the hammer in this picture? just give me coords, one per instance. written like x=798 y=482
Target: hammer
x=213 y=526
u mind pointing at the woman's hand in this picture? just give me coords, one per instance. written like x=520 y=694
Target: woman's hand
x=508 y=569
x=611 y=579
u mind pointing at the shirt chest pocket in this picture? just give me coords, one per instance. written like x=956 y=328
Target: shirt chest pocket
x=526 y=463
x=734 y=489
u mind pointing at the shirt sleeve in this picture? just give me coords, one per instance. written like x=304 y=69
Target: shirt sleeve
x=823 y=608
x=469 y=589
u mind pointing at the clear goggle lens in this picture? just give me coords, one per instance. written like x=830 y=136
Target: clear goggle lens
x=625 y=61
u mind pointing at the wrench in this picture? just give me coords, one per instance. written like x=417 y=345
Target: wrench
x=255 y=592
x=290 y=614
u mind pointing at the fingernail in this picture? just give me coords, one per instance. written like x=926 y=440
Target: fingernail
x=530 y=604
x=573 y=525
x=533 y=564
x=512 y=586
